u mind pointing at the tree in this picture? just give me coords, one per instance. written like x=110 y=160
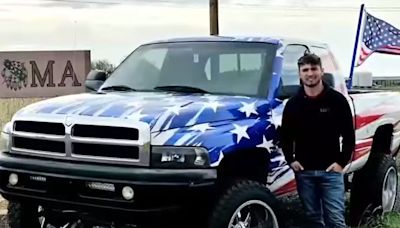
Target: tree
x=103 y=65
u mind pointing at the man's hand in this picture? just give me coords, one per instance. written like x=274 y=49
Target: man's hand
x=335 y=167
x=296 y=166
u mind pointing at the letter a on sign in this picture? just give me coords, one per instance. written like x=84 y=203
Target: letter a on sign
x=69 y=73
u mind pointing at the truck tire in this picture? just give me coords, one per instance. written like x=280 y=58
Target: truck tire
x=232 y=208
x=386 y=184
x=374 y=189
x=22 y=215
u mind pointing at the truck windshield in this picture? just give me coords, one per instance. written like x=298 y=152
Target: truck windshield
x=232 y=68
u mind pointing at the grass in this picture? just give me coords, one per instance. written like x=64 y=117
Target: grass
x=391 y=220
x=8 y=106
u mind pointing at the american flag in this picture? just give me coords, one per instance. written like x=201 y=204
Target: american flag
x=378 y=36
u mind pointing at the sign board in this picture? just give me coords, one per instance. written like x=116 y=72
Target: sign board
x=43 y=73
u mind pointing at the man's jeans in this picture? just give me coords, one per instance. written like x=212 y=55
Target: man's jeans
x=322 y=194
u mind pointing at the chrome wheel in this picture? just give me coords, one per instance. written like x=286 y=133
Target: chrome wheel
x=389 y=190
x=253 y=213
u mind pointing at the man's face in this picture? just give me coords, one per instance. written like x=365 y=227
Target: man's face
x=311 y=75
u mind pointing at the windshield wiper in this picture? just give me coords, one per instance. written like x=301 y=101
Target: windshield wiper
x=183 y=89
x=118 y=88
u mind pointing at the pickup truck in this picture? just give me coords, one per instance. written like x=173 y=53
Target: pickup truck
x=185 y=128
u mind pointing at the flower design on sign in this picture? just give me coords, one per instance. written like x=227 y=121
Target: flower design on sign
x=14 y=74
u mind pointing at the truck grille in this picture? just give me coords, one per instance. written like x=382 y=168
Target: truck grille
x=105 y=132
x=81 y=142
x=106 y=151
x=40 y=127
x=39 y=145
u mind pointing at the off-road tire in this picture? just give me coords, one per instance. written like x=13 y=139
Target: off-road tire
x=237 y=194
x=21 y=215
x=366 y=191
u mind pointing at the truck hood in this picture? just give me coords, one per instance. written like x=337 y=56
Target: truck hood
x=161 y=110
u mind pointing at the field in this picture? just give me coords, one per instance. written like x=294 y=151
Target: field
x=9 y=106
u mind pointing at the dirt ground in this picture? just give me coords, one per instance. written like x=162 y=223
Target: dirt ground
x=3 y=204
x=3 y=210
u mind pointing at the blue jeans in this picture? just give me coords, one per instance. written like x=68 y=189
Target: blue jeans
x=322 y=195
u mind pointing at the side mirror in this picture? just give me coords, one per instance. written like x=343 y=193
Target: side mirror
x=94 y=80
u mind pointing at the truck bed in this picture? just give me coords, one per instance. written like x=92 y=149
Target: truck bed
x=374 y=108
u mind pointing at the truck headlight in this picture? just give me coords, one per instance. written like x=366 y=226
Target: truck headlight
x=5 y=137
x=179 y=157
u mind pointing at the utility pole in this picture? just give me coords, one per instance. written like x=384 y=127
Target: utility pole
x=214 y=30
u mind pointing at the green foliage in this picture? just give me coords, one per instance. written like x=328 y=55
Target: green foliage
x=103 y=65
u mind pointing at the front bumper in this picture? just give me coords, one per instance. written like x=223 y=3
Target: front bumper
x=65 y=185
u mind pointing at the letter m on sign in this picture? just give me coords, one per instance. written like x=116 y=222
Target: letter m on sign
x=42 y=79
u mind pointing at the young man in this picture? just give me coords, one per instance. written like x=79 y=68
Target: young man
x=313 y=124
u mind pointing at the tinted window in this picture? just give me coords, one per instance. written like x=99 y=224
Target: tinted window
x=238 y=68
x=290 y=75
x=327 y=60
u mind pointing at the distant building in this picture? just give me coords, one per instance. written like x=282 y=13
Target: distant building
x=387 y=81
x=365 y=79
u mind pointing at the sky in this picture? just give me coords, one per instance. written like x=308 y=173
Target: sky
x=111 y=29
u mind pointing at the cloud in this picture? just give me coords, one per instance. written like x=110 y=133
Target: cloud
x=76 y=4
x=81 y=4
x=287 y=5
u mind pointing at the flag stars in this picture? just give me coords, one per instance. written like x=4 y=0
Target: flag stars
x=249 y=108
x=174 y=109
x=213 y=105
x=201 y=127
x=240 y=132
x=267 y=144
x=378 y=35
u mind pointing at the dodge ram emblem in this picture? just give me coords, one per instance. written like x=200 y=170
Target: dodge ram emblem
x=68 y=121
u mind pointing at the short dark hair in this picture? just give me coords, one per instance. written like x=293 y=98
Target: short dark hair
x=309 y=58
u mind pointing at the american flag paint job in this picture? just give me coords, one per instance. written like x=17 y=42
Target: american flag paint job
x=221 y=124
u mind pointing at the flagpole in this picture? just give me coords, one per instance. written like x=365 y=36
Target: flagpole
x=350 y=81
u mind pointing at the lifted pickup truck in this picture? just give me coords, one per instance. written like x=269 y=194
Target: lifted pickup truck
x=190 y=123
